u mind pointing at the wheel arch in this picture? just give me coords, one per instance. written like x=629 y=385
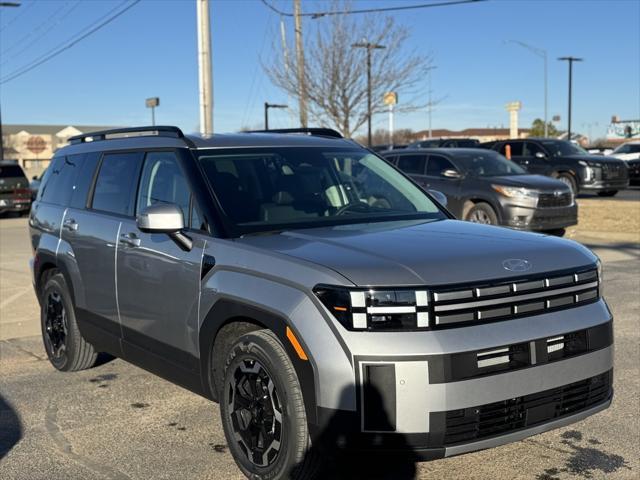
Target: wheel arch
x=475 y=199
x=228 y=319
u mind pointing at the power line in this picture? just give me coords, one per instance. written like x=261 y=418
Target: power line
x=58 y=50
x=369 y=10
x=53 y=21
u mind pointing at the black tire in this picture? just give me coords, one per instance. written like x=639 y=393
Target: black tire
x=569 y=181
x=608 y=193
x=66 y=349
x=480 y=212
x=260 y=385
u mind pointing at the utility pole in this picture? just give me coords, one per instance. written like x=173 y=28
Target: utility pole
x=267 y=106
x=542 y=54
x=302 y=85
x=430 y=110
x=205 y=82
x=570 y=60
x=4 y=4
x=369 y=46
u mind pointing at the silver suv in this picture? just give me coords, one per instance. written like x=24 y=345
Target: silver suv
x=315 y=292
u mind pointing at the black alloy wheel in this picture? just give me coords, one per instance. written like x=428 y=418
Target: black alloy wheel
x=55 y=326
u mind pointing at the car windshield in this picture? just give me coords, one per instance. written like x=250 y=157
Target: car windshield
x=290 y=187
x=560 y=148
x=8 y=171
x=628 y=148
x=487 y=164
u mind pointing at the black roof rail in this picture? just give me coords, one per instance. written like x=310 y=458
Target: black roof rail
x=163 y=131
x=316 y=132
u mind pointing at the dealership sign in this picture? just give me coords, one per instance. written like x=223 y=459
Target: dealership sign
x=36 y=145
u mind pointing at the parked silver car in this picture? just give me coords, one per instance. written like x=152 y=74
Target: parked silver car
x=321 y=297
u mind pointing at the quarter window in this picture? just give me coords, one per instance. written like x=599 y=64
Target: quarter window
x=412 y=164
x=58 y=182
x=163 y=182
x=437 y=164
x=115 y=187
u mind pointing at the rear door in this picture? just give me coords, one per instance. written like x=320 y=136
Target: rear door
x=158 y=283
x=414 y=165
x=91 y=226
x=514 y=151
x=436 y=165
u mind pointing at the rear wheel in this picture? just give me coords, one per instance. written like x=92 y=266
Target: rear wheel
x=480 y=212
x=263 y=411
x=66 y=349
x=608 y=193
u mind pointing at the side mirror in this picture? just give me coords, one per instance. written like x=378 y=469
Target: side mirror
x=540 y=155
x=450 y=173
x=164 y=218
x=439 y=196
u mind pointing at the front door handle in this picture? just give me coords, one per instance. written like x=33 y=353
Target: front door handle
x=70 y=224
x=130 y=239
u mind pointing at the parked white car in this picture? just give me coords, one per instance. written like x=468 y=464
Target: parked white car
x=627 y=151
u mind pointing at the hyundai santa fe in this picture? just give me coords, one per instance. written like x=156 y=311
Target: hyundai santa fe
x=317 y=294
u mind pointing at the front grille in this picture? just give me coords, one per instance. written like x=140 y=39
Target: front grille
x=613 y=171
x=551 y=200
x=499 y=418
x=510 y=299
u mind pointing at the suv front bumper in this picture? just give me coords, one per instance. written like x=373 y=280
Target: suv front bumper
x=527 y=218
x=413 y=397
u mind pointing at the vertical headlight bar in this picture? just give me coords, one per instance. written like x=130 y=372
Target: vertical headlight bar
x=377 y=309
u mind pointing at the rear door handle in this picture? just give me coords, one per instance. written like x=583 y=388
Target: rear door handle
x=70 y=225
x=130 y=239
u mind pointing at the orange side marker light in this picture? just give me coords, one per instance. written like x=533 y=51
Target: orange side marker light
x=296 y=344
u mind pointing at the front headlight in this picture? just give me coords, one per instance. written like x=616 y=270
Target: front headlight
x=600 y=276
x=515 y=192
x=376 y=309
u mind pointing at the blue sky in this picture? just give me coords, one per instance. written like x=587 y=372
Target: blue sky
x=151 y=51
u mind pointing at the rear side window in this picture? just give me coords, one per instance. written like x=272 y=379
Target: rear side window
x=412 y=164
x=11 y=171
x=163 y=182
x=115 y=187
x=516 y=149
x=59 y=180
x=437 y=165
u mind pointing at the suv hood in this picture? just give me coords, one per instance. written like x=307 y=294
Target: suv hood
x=592 y=158
x=534 y=182
x=424 y=253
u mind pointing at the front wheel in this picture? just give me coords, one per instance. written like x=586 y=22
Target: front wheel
x=608 y=193
x=263 y=411
x=569 y=181
x=480 y=212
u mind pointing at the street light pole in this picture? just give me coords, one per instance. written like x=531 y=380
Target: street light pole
x=369 y=46
x=267 y=106
x=205 y=82
x=570 y=60
x=542 y=54
x=4 y=4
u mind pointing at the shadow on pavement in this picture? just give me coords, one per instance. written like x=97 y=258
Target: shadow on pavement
x=629 y=248
x=10 y=427
x=339 y=449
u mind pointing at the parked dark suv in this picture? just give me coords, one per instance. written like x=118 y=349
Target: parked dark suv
x=445 y=143
x=320 y=296
x=567 y=162
x=15 y=195
x=484 y=187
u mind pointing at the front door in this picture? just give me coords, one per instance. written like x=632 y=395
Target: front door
x=539 y=160
x=436 y=165
x=158 y=282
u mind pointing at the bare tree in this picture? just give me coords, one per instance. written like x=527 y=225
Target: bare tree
x=335 y=72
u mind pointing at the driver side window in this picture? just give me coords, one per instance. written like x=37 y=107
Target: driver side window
x=531 y=149
x=437 y=164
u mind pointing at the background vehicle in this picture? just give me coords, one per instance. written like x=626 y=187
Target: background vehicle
x=15 y=195
x=484 y=187
x=445 y=143
x=316 y=293
x=568 y=163
x=630 y=154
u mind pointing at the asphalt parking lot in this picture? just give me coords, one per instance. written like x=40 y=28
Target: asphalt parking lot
x=117 y=421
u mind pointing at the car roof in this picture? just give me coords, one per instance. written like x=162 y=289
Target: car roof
x=230 y=140
x=440 y=151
